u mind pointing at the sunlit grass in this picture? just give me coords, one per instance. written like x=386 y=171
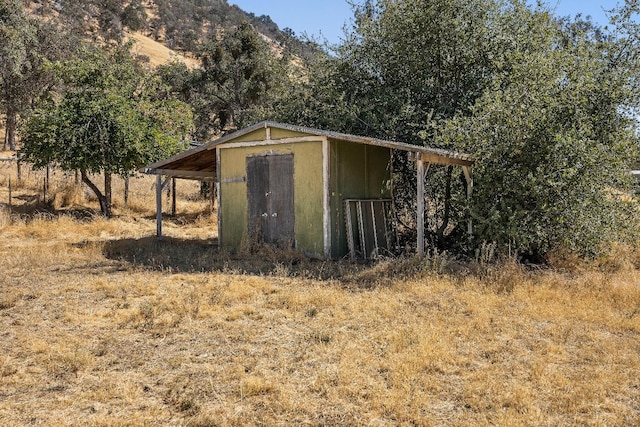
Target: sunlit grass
x=103 y=325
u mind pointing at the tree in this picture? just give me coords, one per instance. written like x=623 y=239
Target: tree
x=547 y=107
x=553 y=138
x=239 y=75
x=27 y=42
x=107 y=120
x=404 y=68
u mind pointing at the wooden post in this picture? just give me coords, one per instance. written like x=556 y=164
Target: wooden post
x=159 y=206
x=9 y=195
x=468 y=175
x=19 y=171
x=107 y=194
x=126 y=191
x=45 y=188
x=173 y=196
x=420 y=205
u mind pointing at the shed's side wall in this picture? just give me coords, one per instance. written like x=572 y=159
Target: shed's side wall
x=358 y=171
x=307 y=176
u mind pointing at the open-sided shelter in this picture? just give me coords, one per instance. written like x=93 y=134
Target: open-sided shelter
x=326 y=194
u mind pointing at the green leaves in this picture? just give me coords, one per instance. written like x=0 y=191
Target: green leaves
x=547 y=107
x=107 y=119
x=553 y=147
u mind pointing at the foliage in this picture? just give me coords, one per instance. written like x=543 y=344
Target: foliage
x=546 y=107
x=238 y=79
x=108 y=119
x=26 y=43
x=404 y=68
x=553 y=143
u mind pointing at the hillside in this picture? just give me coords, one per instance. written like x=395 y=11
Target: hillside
x=179 y=25
x=158 y=53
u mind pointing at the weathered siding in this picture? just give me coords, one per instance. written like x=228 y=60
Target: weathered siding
x=358 y=171
x=308 y=192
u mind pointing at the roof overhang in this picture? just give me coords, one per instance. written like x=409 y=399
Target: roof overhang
x=201 y=163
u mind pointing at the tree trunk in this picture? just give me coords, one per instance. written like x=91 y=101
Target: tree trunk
x=107 y=195
x=126 y=191
x=10 y=134
x=105 y=207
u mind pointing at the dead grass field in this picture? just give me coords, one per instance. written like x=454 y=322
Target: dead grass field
x=103 y=325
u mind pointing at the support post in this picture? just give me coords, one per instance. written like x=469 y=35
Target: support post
x=420 y=204
x=468 y=175
x=10 y=202
x=159 y=206
x=126 y=191
x=173 y=196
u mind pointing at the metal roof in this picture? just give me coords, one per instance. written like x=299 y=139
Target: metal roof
x=201 y=162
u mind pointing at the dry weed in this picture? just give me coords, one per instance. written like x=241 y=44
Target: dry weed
x=104 y=325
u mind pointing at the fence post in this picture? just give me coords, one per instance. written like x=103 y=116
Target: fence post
x=126 y=191
x=10 y=196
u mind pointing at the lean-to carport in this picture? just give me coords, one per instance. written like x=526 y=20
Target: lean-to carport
x=204 y=163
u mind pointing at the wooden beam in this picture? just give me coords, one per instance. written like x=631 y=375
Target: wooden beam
x=184 y=174
x=422 y=169
x=159 y=206
x=259 y=143
x=219 y=196
x=468 y=175
x=326 y=197
x=173 y=196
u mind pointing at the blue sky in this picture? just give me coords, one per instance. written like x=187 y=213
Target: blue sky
x=326 y=18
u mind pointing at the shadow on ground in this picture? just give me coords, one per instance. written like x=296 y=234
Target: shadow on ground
x=33 y=208
x=191 y=256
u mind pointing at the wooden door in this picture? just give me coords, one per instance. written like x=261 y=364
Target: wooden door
x=271 y=217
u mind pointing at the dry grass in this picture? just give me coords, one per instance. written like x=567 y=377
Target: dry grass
x=158 y=53
x=103 y=325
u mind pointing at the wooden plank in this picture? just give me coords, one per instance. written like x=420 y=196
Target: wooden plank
x=234 y=180
x=420 y=206
x=349 y=224
x=202 y=176
x=363 y=242
x=269 y=142
x=159 y=206
x=326 y=197
x=219 y=196
x=375 y=229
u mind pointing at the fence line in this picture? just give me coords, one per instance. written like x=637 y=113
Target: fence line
x=15 y=175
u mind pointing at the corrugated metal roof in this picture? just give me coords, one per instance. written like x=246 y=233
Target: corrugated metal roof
x=201 y=163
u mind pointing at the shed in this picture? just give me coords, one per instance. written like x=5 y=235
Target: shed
x=326 y=194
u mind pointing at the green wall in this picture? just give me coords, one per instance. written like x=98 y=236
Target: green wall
x=358 y=171
x=308 y=193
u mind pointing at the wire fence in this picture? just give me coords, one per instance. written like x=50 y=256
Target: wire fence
x=51 y=185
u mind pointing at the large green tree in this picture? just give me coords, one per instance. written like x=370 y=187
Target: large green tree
x=547 y=107
x=554 y=138
x=27 y=43
x=237 y=84
x=403 y=68
x=108 y=119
